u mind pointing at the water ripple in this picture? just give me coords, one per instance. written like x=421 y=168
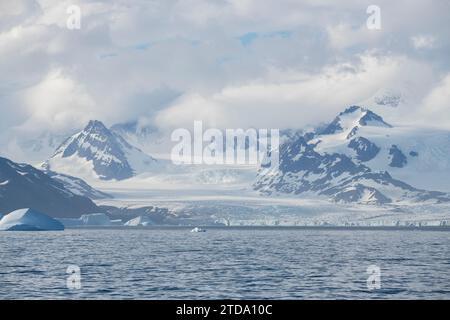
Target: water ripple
x=224 y=264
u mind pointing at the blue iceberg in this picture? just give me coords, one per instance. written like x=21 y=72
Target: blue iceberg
x=29 y=220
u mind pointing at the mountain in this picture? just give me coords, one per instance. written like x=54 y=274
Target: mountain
x=417 y=156
x=338 y=162
x=23 y=186
x=145 y=136
x=348 y=122
x=151 y=140
x=97 y=152
x=77 y=186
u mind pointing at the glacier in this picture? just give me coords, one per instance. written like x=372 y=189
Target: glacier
x=358 y=169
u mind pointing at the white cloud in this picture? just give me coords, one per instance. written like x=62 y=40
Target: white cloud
x=343 y=36
x=423 y=41
x=57 y=102
x=297 y=100
x=113 y=69
x=435 y=110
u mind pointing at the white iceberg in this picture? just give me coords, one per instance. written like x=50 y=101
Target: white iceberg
x=93 y=219
x=141 y=221
x=29 y=220
x=197 y=229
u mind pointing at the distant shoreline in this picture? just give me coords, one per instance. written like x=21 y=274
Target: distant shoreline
x=332 y=228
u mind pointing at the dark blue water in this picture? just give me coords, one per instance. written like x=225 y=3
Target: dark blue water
x=225 y=263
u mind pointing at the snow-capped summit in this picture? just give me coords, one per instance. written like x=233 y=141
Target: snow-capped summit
x=417 y=156
x=96 y=152
x=349 y=121
x=361 y=158
x=303 y=170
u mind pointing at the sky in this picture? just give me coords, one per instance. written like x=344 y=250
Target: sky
x=231 y=63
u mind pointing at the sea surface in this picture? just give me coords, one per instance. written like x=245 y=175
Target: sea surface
x=225 y=263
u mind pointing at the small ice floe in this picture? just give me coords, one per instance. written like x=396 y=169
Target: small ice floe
x=197 y=229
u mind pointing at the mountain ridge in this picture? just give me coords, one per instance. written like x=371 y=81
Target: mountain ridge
x=336 y=163
x=100 y=152
x=23 y=186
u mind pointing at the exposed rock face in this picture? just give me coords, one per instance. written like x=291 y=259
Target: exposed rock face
x=398 y=159
x=305 y=168
x=365 y=149
x=23 y=186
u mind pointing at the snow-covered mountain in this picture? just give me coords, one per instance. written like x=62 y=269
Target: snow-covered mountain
x=359 y=157
x=351 y=120
x=77 y=186
x=145 y=136
x=152 y=141
x=23 y=186
x=97 y=152
x=417 y=156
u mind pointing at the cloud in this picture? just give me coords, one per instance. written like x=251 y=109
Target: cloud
x=435 y=109
x=423 y=41
x=296 y=99
x=286 y=63
x=57 y=102
x=344 y=36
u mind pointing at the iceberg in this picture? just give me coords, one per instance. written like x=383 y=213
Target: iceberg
x=93 y=219
x=197 y=229
x=29 y=220
x=142 y=221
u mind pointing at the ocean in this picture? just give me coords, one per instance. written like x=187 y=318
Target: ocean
x=225 y=263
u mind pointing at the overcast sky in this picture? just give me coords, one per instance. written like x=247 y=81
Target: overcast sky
x=231 y=63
